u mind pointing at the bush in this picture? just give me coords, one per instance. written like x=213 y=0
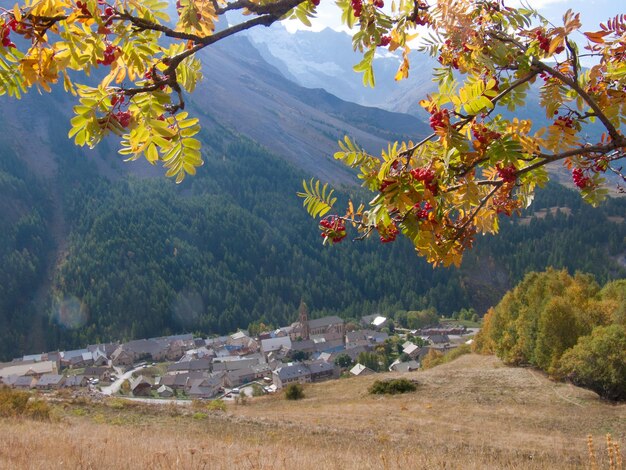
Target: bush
x=14 y=403
x=392 y=387
x=257 y=390
x=216 y=405
x=598 y=362
x=294 y=392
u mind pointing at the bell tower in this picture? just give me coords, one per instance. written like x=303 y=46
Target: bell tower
x=304 y=320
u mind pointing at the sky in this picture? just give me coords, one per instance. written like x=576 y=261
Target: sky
x=592 y=12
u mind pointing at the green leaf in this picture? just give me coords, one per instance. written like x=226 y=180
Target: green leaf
x=317 y=201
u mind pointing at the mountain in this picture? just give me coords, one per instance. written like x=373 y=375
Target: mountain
x=325 y=59
x=92 y=248
x=252 y=98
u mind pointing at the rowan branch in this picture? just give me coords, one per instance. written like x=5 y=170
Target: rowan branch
x=615 y=135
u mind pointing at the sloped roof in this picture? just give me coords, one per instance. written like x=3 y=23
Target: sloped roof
x=359 y=369
x=325 y=321
x=293 y=371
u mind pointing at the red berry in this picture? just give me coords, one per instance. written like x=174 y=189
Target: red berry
x=384 y=41
x=123 y=117
x=507 y=173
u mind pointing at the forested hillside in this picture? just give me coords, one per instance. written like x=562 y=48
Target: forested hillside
x=24 y=246
x=147 y=258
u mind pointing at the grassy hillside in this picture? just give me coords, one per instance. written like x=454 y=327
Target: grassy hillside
x=473 y=413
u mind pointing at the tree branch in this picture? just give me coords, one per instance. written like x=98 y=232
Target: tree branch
x=615 y=135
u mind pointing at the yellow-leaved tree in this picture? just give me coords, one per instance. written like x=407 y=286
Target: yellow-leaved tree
x=439 y=191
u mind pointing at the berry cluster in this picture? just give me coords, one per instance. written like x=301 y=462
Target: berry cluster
x=384 y=41
x=426 y=176
x=485 y=135
x=580 y=179
x=439 y=119
x=107 y=12
x=564 y=121
x=422 y=211
x=388 y=234
x=110 y=54
x=507 y=173
x=420 y=7
x=333 y=228
x=379 y=3
x=83 y=8
x=357 y=7
x=315 y=2
x=385 y=184
x=6 y=29
x=600 y=165
x=544 y=43
x=123 y=117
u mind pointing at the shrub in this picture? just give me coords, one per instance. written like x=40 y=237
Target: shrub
x=598 y=362
x=216 y=405
x=294 y=392
x=14 y=403
x=257 y=390
x=392 y=387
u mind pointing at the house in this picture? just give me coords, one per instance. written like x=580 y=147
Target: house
x=122 y=358
x=192 y=365
x=179 y=381
x=97 y=372
x=438 y=339
x=50 y=381
x=165 y=392
x=100 y=359
x=237 y=377
x=25 y=382
x=76 y=358
x=242 y=339
x=151 y=349
x=34 y=369
x=206 y=387
x=327 y=325
x=141 y=386
x=292 y=373
x=411 y=350
x=274 y=344
x=361 y=370
x=364 y=338
x=374 y=321
x=75 y=381
x=235 y=362
x=321 y=370
x=105 y=348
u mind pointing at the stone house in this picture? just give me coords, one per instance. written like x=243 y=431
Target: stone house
x=141 y=386
x=50 y=381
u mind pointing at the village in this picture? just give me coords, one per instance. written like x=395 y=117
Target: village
x=187 y=367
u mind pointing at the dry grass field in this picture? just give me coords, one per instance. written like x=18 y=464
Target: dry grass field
x=473 y=413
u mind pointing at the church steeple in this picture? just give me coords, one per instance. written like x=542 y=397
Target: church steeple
x=304 y=320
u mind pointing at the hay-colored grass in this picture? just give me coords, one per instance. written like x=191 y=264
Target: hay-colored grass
x=473 y=413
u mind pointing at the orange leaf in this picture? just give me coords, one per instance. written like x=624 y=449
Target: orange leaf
x=598 y=36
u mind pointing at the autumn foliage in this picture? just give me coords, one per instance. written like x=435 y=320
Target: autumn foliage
x=565 y=325
x=438 y=191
